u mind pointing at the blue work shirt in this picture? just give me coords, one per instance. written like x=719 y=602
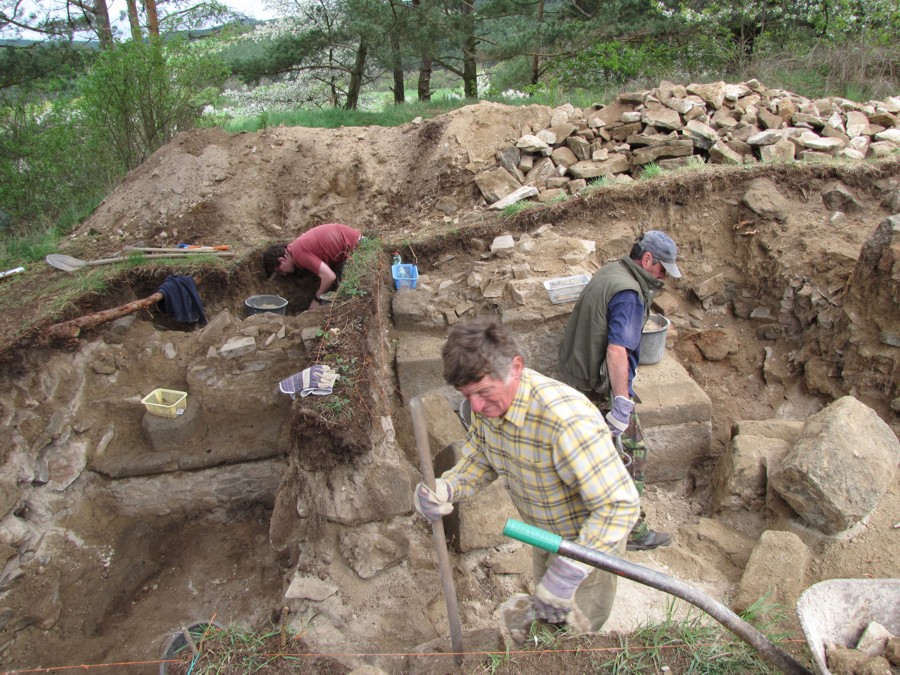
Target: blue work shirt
x=625 y=316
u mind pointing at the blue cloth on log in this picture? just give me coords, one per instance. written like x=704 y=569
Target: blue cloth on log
x=181 y=300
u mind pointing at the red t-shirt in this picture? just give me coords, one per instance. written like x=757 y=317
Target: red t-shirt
x=331 y=244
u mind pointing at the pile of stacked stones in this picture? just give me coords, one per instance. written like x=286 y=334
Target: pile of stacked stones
x=674 y=125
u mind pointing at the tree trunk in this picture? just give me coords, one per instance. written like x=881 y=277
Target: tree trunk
x=152 y=17
x=399 y=87
x=68 y=331
x=104 y=28
x=133 y=20
x=424 y=89
x=356 y=76
x=470 y=68
x=536 y=59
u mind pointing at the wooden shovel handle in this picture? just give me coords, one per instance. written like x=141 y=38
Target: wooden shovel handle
x=108 y=261
x=420 y=428
x=176 y=249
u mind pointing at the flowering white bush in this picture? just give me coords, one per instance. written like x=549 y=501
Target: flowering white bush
x=281 y=96
x=483 y=83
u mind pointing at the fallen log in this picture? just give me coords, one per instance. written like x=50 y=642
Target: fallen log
x=68 y=331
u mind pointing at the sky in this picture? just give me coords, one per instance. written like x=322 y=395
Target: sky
x=251 y=8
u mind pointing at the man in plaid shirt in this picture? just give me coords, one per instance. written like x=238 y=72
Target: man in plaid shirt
x=555 y=451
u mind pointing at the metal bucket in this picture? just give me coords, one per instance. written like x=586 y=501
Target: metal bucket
x=258 y=304
x=653 y=339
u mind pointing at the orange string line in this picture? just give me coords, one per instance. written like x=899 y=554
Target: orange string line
x=316 y=655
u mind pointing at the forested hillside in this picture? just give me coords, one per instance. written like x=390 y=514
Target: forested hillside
x=76 y=117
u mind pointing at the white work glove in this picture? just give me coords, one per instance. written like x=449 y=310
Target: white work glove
x=619 y=417
x=433 y=504
x=555 y=594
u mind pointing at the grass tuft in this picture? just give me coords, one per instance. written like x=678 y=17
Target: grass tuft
x=519 y=207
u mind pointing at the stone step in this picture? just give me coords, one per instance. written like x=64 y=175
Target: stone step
x=676 y=416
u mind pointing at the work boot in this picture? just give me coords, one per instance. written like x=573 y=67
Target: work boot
x=651 y=540
x=517 y=614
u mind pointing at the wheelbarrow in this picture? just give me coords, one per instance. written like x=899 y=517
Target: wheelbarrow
x=834 y=611
x=837 y=611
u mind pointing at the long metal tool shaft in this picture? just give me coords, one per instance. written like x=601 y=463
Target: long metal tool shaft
x=437 y=529
x=770 y=652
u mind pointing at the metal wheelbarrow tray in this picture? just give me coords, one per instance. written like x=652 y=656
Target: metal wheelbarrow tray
x=837 y=611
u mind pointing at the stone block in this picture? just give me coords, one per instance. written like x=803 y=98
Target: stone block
x=739 y=479
x=676 y=415
x=777 y=569
x=496 y=184
x=168 y=433
x=419 y=367
x=413 y=309
x=444 y=425
x=237 y=347
x=676 y=448
x=785 y=430
x=482 y=518
x=842 y=464
x=521 y=193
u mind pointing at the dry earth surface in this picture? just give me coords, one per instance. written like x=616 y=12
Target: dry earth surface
x=413 y=187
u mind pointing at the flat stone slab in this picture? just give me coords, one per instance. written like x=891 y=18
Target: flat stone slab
x=676 y=415
x=420 y=369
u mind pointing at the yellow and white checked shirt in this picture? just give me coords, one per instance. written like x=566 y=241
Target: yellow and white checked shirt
x=555 y=451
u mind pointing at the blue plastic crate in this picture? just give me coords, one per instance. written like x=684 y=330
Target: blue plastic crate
x=405 y=276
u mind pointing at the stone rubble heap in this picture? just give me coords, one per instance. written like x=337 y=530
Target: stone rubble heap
x=674 y=125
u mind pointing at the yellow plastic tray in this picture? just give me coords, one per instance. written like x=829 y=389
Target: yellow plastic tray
x=165 y=402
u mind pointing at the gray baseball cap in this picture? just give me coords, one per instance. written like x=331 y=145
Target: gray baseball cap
x=661 y=246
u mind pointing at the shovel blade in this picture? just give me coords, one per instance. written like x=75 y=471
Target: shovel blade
x=64 y=262
x=69 y=264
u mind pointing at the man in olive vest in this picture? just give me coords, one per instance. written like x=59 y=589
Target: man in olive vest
x=601 y=349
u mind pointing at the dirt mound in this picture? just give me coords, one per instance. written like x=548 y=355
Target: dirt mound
x=247 y=188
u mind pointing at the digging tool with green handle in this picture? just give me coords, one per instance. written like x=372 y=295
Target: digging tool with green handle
x=548 y=541
x=420 y=428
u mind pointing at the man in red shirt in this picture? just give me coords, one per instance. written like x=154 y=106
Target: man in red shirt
x=322 y=250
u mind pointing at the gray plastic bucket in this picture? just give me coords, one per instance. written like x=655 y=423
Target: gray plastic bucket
x=653 y=339
x=258 y=304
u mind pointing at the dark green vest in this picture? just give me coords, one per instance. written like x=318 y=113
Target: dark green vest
x=582 y=352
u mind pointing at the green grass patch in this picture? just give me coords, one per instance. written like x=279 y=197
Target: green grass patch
x=233 y=649
x=651 y=170
x=691 y=644
x=518 y=207
x=23 y=247
x=603 y=181
x=359 y=267
x=335 y=118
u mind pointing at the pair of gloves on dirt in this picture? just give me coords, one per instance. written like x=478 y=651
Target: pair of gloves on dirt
x=317 y=379
x=554 y=594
